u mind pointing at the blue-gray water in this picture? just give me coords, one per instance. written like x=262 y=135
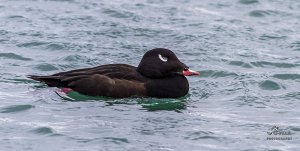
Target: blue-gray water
x=248 y=52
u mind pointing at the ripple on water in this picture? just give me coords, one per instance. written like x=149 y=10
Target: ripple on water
x=18 y=18
x=16 y=108
x=55 y=46
x=3 y=32
x=217 y=74
x=273 y=64
x=32 y=44
x=249 y=100
x=240 y=63
x=295 y=46
x=258 y=13
x=247 y=2
x=15 y=17
x=292 y=95
x=263 y=13
x=163 y=104
x=117 y=140
x=74 y=58
x=269 y=85
x=13 y=56
x=31 y=33
x=43 y=130
x=15 y=80
x=295 y=129
x=151 y=33
x=46 y=45
x=271 y=37
x=287 y=76
x=118 y=14
x=201 y=135
x=46 y=67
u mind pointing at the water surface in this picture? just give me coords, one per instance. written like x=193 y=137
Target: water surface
x=248 y=52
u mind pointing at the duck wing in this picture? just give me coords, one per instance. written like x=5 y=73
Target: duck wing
x=115 y=80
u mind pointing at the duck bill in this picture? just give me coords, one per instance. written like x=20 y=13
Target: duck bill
x=190 y=73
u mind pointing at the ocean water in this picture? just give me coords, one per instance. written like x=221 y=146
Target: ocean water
x=248 y=53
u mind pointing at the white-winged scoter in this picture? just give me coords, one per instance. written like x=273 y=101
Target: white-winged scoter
x=160 y=74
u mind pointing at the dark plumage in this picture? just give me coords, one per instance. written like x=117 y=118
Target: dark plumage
x=159 y=74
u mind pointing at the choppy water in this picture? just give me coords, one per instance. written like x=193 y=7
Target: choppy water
x=248 y=52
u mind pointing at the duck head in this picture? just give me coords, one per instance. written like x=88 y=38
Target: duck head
x=161 y=62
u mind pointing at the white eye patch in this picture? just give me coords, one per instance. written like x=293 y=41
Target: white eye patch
x=164 y=59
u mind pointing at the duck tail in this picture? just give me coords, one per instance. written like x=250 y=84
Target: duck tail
x=52 y=81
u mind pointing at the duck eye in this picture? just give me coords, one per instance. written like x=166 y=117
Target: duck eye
x=185 y=69
x=164 y=59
